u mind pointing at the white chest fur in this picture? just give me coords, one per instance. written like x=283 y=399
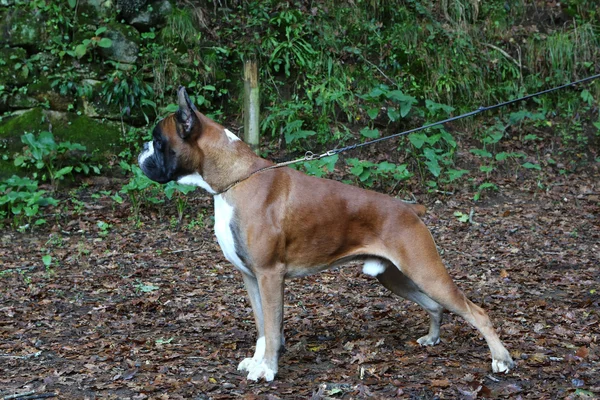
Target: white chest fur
x=223 y=217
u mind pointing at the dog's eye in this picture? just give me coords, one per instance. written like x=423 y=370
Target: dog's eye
x=158 y=144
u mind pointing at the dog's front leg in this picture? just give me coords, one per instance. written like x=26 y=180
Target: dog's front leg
x=254 y=294
x=270 y=286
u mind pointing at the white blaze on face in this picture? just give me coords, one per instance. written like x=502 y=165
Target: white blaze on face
x=223 y=217
x=148 y=152
x=231 y=136
x=196 y=179
x=373 y=267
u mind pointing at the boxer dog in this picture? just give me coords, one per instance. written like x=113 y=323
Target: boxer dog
x=278 y=223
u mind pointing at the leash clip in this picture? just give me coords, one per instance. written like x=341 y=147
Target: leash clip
x=309 y=155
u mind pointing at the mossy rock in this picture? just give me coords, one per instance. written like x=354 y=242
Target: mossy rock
x=125 y=43
x=101 y=138
x=94 y=11
x=22 y=28
x=9 y=73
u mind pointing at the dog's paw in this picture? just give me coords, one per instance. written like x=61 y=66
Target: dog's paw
x=428 y=340
x=260 y=370
x=246 y=364
x=500 y=366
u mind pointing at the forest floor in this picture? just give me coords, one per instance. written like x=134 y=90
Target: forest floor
x=152 y=310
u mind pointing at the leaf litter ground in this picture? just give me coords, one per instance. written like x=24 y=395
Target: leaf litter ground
x=156 y=312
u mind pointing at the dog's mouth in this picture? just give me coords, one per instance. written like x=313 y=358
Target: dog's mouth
x=156 y=166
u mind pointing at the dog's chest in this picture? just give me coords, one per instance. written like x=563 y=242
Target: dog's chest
x=225 y=236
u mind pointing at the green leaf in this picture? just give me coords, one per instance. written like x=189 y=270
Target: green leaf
x=405 y=109
x=63 y=171
x=529 y=165
x=587 y=97
x=105 y=43
x=146 y=288
x=370 y=133
x=393 y=114
x=80 y=50
x=461 y=217
x=72 y=3
x=454 y=174
x=434 y=167
x=501 y=156
x=434 y=107
x=47 y=260
x=373 y=112
x=481 y=153
x=100 y=30
x=19 y=160
x=417 y=139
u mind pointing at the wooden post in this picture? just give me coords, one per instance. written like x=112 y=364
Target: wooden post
x=251 y=104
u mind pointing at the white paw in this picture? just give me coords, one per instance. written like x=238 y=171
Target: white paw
x=260 y=370
x=246 y=364
x=499 y=366
x=428 y=341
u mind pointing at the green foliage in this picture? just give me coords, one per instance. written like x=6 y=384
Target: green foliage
x=20 y=202
x=434 y=149
x=318 y=168
x=88 y=45
x=286 y=42
x=127 y=91
x=179 y=192
x=55 y=160
x=141 y=191
x=368 y=173
x=378 y=67
x=103 y=228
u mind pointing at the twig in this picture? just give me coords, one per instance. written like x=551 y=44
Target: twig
x=18 y=395
x=182 y=250
x=471 y=213
x=378 y=69
x=38 y=396
x=21 y=357
x=505 y=54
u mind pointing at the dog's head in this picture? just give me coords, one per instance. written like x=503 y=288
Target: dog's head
x=190 y=148
x=173 y=151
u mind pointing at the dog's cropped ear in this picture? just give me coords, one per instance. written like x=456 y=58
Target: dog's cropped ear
x=187 y=120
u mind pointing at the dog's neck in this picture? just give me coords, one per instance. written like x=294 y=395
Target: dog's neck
x=226 y=161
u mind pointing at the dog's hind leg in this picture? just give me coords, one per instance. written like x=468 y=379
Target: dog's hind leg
x=413 y=251
x=398 y=283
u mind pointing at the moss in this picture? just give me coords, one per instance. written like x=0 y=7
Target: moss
x=102 y=138
x=28 y=121
x=8 y=169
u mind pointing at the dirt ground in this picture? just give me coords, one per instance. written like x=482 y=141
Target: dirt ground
x=153 y=310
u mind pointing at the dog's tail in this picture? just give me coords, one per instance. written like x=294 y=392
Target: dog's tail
x=419 y=209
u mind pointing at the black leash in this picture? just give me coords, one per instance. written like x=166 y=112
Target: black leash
x=310 y=156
